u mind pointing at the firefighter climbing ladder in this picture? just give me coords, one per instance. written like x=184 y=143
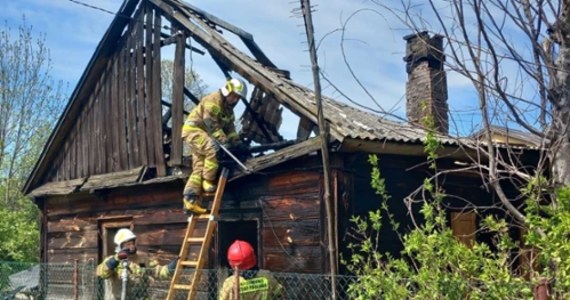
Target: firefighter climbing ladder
x=204 y=241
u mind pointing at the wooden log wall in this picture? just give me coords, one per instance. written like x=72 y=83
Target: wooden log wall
x=119 y=127
x=403 y=175
x=288 y=207
x=73 y=224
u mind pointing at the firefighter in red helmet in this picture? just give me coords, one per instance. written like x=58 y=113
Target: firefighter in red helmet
x=254 y=284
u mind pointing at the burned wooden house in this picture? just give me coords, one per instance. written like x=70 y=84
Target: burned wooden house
x=116 y=159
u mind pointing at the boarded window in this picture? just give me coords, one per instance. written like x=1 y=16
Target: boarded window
x=464 y=227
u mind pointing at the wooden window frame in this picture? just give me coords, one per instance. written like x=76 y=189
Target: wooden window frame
x=107 y=229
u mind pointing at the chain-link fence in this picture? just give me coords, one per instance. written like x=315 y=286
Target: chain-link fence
x=78 y=281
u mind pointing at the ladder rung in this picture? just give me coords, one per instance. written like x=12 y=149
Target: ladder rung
x=203 y=241
x=202 y=217
x=182 y=287
x=205 y=217
x=196 y=239
x=189 y=263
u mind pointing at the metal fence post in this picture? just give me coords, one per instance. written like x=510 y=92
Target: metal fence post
x=75 y=279
x=236 y=283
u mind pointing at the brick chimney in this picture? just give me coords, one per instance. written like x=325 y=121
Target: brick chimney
x=427 y=82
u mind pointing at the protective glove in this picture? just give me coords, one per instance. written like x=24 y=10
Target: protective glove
x=123 y=254
x=239 y=148
x=227 y=146
x=172 y=265
x=242 y=147
x=114 y=260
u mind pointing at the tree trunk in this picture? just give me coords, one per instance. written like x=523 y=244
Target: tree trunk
x=560 y=93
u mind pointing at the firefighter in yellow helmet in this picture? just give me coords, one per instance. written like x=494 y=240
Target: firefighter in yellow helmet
x=254 y=284
x=112 y=267
x=213 y=118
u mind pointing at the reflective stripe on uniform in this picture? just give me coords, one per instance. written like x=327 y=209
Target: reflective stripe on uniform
x=200 y=141
x=210 y=164
x=190 y=127
x=196 y=178
x=218 y=134
x=257 y=284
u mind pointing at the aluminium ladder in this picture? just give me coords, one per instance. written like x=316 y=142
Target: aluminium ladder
x=204 y=242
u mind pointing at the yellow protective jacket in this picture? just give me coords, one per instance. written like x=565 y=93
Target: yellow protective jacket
x=138 y=280
x=261 y=287
x=214 y=116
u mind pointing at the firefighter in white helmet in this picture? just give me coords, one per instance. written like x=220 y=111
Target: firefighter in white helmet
x=254 y=284
x=138 y=270
x=209 y=123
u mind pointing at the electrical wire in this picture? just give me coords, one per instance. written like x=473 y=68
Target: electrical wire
x=117 y=14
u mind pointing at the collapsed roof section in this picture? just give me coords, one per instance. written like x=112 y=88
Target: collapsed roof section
x=345 y=121
x=117 y=120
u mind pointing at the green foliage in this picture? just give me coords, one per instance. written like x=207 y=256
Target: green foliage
x=19 y=233
x=192 y=82
x=7 y=269
x=549 y=235
x=30 y=103
x=435 y=265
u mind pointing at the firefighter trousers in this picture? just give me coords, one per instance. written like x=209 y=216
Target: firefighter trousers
x=204 y=161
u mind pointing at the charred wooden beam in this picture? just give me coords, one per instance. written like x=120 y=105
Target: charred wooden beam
x=168 y=114
x=245 y=36
x=271 y=146
x=257 y=118
x=171 y=39
x=177 y=110
x=156 y=92
x=277 y=157
x=222 y=66
x=305 y=128
x=191 y=96
x=289 y=94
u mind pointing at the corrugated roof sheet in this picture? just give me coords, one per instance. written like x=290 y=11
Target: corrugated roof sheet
x=355 y=123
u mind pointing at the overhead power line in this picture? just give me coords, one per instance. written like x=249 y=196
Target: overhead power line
x=95 y=7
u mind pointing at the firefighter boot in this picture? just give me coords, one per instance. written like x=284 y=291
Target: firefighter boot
x=208 y=186
x=192 y=206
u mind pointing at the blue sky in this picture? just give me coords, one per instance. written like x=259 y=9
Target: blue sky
x=373 y=45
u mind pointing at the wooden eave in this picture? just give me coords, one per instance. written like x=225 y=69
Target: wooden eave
x=135 y=177
x=91 y=183
x=400 y=148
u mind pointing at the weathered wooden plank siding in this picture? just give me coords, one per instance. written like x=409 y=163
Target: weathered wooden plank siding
x=287 y=203
x=72 y=225
x=149 y=25
x=119 y=127
x=140 y=85
x=178 y=100
x=156 y=96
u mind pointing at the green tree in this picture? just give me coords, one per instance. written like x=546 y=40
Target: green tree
x=29 y=104
x=192 y=82
x=435 y=265
x=516 y=56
